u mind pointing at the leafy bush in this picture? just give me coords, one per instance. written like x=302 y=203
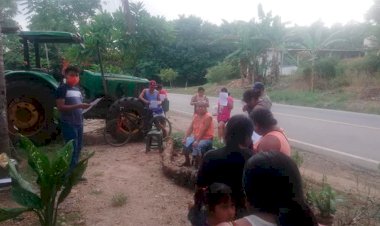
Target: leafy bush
x=326 y=68
x=217 y=144
x=168 y=75
x=53 y=181
x=297 y=158
x=371 y=64
x=177 y=140
x=222 y=71
x=324 y=200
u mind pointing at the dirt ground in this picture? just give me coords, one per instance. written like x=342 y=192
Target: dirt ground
x=152 y=199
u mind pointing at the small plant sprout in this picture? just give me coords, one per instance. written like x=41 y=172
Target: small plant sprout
x=177 y=140
x=118 y=200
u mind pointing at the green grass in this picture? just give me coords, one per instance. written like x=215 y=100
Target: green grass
x=312 y=99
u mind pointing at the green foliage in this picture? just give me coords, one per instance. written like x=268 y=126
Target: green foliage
x=217 y=144
x=8 y=8
x=195 y=49
x=12 y=49
x=177 y=140
x=223 y=71
x=63 y=15
x=53 y=180
x=324 y=200
x=326 y=68
x=371 y=64
x=188 y=45
x=168 y=75
x=297 y=157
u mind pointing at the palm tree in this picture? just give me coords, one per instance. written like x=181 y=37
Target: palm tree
x=313 y=41
x=250 y=48
x=274 y=31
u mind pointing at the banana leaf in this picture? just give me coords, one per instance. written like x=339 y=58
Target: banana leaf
x=74 y=177
x=9 y=213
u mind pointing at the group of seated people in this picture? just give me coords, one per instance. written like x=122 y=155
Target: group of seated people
x=267 y=135
x=238 y=186
x=248 y=182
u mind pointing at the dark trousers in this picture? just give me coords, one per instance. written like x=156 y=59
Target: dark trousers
x=75 y=133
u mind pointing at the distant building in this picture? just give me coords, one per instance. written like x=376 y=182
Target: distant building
x=370 y=43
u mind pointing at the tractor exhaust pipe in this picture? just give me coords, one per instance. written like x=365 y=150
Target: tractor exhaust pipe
x=102 y=70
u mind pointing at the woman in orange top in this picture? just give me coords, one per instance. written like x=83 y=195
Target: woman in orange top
x=273 y=137
x=199 y=136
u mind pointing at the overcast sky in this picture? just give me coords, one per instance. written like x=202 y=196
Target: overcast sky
x=301 y=12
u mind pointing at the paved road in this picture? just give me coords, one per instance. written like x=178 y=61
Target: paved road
x=354 y=137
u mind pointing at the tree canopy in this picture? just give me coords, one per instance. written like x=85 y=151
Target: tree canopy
x=133 y=41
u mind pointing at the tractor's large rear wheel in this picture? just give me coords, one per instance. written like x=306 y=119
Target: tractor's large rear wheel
x=134 y=108
x=30 y=109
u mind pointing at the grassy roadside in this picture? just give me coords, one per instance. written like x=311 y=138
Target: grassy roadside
x=286 y=92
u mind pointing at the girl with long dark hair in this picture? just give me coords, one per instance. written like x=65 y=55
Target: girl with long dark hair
x=273 y=186
x=226 y=164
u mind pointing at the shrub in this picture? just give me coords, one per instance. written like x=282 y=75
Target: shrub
x=297 y=158
x=222 y=71
x=118 y=200
x=168 y=75
x=371 y=64
x=53 y=180
x=326 y=68
x=177 y=140
x=324 y=200
x=217 y=144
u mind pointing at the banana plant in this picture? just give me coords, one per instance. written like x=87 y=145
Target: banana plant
x=54 y=182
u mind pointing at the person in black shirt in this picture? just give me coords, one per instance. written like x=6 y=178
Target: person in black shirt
x=226 y=165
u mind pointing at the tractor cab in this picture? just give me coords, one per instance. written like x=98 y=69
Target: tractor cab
x=38 y=38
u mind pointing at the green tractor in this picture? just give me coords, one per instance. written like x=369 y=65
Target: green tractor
x=31 y=91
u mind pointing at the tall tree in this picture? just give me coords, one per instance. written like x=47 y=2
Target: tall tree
x=373 y=14
x=64 y=15
x=313 y=40
x=195 y=49
x=251 y=51
x=7 y=9
x=168 y=75
x=130 y=21
x=272 y=29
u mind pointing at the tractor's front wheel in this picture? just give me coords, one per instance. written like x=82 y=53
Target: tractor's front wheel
x=30 y=110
